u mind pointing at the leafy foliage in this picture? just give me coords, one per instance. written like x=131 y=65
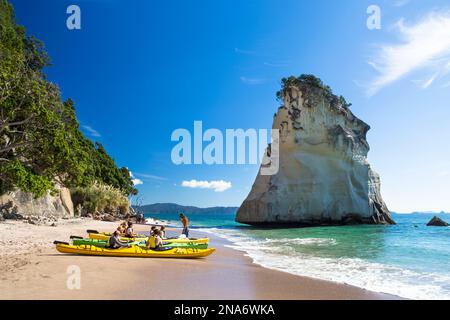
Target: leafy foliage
x=40 y=137
x=99 y=197
x=344 y=102
x=310 y=81
x=15 y=174
x=304 y=80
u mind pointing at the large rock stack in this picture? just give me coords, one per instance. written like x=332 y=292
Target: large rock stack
x=324 y=177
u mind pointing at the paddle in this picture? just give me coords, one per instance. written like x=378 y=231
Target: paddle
x=76 y=237
x=60 y=242
x=92 y=231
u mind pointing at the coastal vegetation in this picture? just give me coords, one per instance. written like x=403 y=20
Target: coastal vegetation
x=309 y=81
x=99 y=197
x=41 y=144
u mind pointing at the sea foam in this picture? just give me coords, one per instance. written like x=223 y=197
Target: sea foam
x=280 y=254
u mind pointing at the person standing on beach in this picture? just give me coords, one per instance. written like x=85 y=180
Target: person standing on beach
x=185 y=222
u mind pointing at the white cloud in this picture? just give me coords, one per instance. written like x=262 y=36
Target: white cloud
x=427 y=82
x=444 y=173
x=252 y=81
x=401 y=3
x=424 y=46
x=218 y=186
x=150 y=176
x=246 y=52
x=135 y=180
x=144 y=176
x=278 y=64
x=92 y=131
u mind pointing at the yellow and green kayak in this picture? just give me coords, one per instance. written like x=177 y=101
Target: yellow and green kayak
x=134 y=251
x=106 y=235
x=139 y=238
x=77 y=241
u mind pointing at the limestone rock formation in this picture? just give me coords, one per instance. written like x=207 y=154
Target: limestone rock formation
x=324 y=177
x=437 y=222
x=19 y=204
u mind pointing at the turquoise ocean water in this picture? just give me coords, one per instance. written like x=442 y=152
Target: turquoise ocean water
x=409 y=259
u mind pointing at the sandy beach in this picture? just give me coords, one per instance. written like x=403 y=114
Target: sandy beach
x=31 y=268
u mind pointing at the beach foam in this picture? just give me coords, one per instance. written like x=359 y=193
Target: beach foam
x=281 y=254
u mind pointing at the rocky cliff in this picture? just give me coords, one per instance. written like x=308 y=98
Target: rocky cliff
x=324 y=177
x=24 y=205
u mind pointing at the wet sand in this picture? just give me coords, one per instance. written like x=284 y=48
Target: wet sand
x=30 y=268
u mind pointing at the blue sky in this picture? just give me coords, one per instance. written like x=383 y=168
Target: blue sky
x=139 y=69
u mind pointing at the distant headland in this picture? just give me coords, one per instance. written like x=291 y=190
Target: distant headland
x=176 y=208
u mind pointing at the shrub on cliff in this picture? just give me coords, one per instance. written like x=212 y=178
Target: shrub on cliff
x=310 y=82
x=40 y=137
x=303 y=80
x=99 y=197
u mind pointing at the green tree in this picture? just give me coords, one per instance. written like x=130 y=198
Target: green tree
x=40 y=138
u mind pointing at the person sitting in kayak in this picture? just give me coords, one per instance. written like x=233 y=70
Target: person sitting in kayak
x=129 y=232
x=122 y=228
x=185 y=222
x=162 y=232
x=115 y=242
x=154 y=241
